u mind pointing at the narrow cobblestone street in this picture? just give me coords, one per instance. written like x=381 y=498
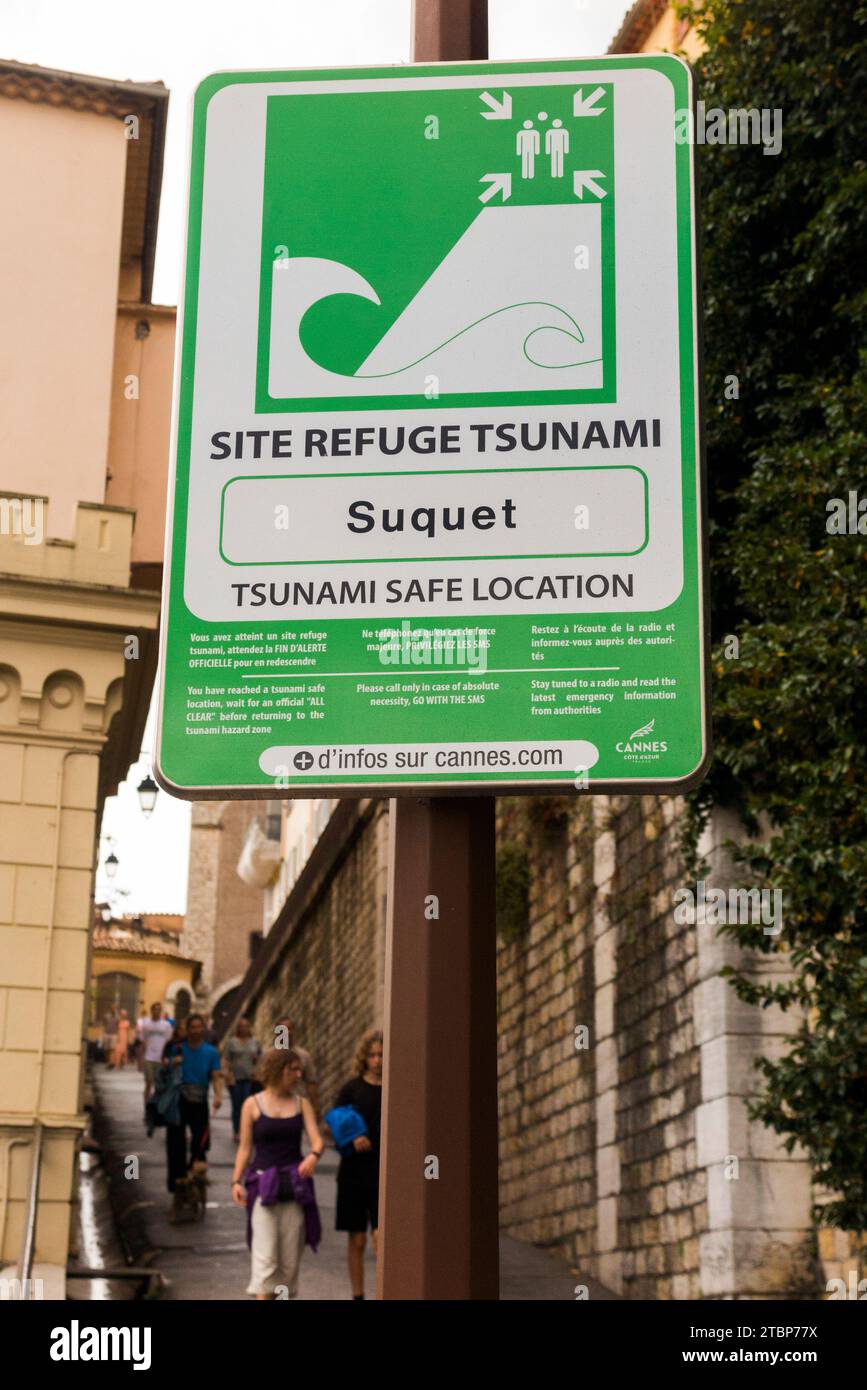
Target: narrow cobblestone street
x=208 y=1259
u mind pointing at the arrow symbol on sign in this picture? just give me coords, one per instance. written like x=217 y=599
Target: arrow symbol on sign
x=584 y=106
x=499 y=183
x=586 y=178
x=500 y=110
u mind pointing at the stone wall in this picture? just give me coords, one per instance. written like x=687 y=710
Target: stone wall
x=546 y=990
x=328 y=973
x=598 y=1152
x=626 y=1145
x=662 y=1200
x=625 y=1061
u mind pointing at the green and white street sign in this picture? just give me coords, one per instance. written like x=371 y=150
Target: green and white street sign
x=436 y=517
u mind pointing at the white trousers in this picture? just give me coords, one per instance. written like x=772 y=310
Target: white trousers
x=277 y=1243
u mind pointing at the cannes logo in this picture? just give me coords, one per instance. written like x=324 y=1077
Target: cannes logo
x=76 y=1343
x=640 y=747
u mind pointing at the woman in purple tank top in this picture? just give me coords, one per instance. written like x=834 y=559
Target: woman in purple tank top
x=272 y=1180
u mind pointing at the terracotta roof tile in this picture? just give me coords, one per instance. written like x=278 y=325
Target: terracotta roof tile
x=131 y=942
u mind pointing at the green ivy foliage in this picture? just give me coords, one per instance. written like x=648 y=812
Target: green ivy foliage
x=785 y=294
x=513 y=891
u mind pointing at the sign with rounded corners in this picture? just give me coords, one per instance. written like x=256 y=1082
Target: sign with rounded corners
x=436 y=521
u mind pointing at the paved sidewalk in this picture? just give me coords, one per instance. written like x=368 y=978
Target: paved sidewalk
x=208 y=1259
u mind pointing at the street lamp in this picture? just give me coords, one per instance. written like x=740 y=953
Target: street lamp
x=147 y=794
x=111 y=864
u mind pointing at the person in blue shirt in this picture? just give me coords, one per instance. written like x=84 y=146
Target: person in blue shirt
x=199 y=1062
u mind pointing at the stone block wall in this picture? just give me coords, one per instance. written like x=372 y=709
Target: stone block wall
x=546 y=1086
x=759 y=1240
x=634 y=1156
x=67 y=723
x=625 y=1061
x=598 y=1155
x=45 y=877
x=328 y=976
x=661 y=1204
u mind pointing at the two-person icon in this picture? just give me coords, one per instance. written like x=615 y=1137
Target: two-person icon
x=529 y=144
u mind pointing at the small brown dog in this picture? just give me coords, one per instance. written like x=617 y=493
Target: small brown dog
x=191 y=1193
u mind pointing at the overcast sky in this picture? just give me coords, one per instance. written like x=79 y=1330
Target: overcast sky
x=178 y=42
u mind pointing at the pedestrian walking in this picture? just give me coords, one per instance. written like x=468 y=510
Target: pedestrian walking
x=273 y=1181
x=240 y=1056
x=358 y=1174
x=109 y=1035
x=121 y=1046
x=200 y=1069
x=136 y=1050
x=154 y=1031
x=179 y=1032
x=285 y=1033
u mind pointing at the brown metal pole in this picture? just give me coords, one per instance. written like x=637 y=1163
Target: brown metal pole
x=439 y=1209
x=449 y=30
x=439 y=1153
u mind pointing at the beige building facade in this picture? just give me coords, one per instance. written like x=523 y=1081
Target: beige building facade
x=136 y=962
x=85 y=361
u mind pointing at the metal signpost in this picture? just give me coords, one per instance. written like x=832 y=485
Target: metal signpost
x=436 y=521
